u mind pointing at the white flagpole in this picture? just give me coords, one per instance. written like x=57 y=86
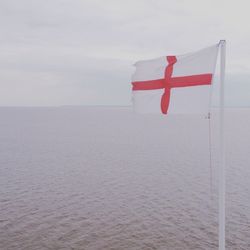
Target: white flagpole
x=222 y=171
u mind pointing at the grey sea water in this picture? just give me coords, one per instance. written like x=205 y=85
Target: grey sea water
x=106 y=178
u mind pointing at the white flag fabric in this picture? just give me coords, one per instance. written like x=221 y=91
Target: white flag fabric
x=175 y=84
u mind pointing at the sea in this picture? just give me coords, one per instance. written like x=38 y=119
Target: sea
x=105 y=178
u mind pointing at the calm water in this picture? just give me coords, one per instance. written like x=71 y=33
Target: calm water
x=105 y=178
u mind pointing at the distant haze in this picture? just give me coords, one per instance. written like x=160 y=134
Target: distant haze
x=81 y=52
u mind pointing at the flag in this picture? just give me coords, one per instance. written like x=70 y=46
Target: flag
x=175 y=84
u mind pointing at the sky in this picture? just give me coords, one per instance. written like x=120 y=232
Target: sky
x=81 y=52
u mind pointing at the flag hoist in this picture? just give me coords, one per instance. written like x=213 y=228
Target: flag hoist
x=182 y=84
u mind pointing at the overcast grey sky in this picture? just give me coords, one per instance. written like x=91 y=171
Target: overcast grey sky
x=80 y=52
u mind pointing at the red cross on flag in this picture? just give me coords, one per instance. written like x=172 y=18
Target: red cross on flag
x=175 y=84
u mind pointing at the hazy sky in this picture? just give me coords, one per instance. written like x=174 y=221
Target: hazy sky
x=80 y=52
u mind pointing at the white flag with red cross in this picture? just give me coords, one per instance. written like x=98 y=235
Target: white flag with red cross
x=175 y=84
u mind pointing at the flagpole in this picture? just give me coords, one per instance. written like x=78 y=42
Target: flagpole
x=222 y=172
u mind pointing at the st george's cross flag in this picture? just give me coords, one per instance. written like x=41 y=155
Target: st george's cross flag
x=175 y=84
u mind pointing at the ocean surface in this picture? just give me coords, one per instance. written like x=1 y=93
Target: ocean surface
x=106 y=178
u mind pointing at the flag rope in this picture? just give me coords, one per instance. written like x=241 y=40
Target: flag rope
x=210 y=155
